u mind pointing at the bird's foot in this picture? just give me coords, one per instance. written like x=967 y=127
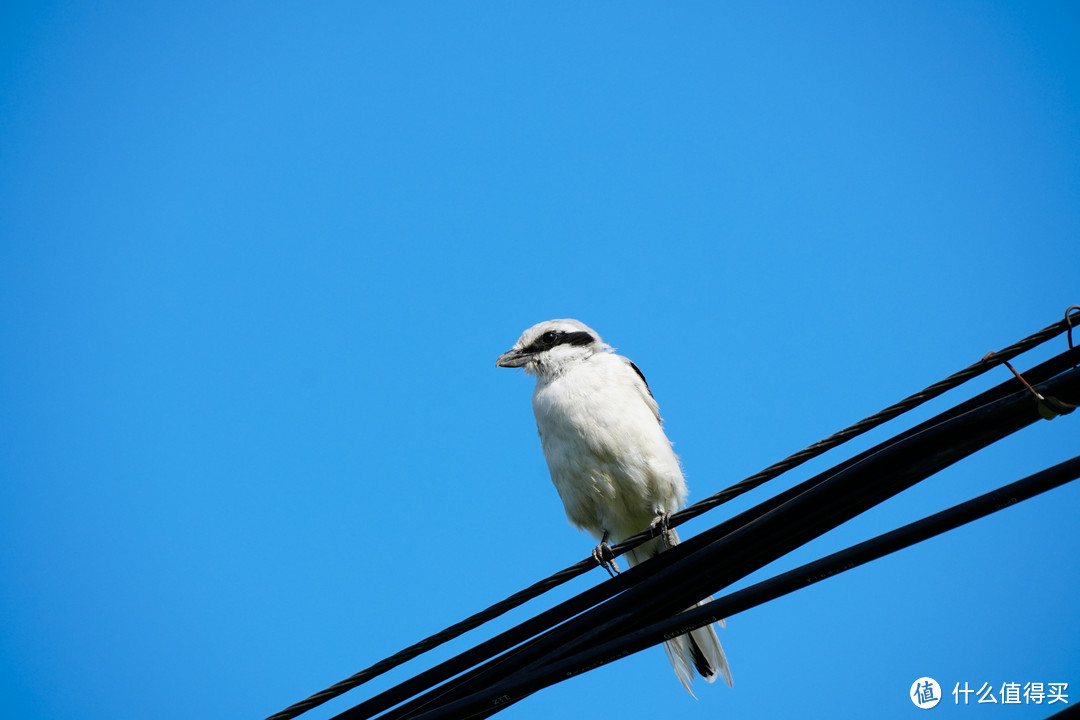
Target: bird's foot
x=659 y=526
x=605 y=557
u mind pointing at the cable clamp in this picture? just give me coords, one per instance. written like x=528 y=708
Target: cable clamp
x=1049 y=407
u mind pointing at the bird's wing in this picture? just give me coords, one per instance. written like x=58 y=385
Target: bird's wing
x=643 y=389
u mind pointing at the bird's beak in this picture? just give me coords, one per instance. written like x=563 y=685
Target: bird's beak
x=512 y=358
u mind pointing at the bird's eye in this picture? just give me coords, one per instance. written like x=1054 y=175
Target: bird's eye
x=550 y=337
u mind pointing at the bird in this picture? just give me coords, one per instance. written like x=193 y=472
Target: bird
x=609 y=458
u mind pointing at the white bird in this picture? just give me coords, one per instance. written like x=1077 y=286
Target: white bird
x=609 y=457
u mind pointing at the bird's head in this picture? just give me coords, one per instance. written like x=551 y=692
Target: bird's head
x=549 y=347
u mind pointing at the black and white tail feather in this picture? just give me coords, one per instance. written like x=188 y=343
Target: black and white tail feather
x=697 y=652
x=608 y=456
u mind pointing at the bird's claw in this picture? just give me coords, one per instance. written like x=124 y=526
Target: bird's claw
x=659 y=526
x=605 y=558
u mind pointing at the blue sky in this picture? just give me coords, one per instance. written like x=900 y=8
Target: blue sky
x=257 y=261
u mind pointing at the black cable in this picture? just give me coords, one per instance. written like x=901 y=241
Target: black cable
x=547 y=619
x=821 y=508
x=590 y=597
x=519 y=598
x=678 y=584
x=525 y=683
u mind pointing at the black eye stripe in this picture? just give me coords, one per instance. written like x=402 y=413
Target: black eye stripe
x=576 y=338
x=552 y=338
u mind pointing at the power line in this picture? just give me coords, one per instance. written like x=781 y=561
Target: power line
x=592 y=596
x=674 y=580
x=485 y=650
x=574 y=663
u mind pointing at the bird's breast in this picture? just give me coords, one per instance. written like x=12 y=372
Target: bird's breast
x=609 y=459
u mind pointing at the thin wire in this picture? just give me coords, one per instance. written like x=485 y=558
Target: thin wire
x=985 y=364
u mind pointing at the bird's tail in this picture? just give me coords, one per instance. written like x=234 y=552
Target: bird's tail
x=698 y=650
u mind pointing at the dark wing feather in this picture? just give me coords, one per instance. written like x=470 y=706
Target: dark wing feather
x=641 y=375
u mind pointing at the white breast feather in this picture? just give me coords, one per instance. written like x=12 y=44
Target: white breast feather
x=610 y=460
